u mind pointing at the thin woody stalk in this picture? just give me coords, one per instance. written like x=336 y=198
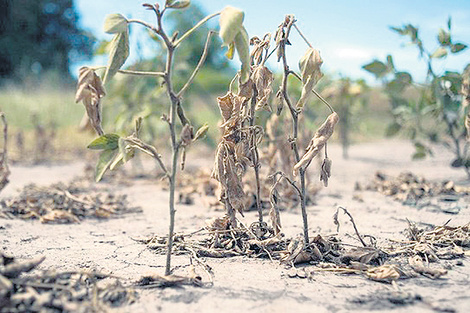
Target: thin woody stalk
x=294 y=114
x=255 y=155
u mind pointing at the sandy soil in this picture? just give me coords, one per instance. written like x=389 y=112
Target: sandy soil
x=243 y=284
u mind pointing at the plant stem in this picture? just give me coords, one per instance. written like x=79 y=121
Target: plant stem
x=294 y=114
x=189 y=32
x=198 y=66
x=302 y=35
x=255 y=154
x=175 y=145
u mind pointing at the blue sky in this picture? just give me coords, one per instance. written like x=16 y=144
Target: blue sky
x=349 y=33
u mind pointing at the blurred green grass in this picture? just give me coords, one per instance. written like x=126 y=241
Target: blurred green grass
x=56 y=108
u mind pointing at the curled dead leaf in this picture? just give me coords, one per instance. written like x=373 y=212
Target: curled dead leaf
x=383 y=273
x=317 y=143
x=90 y=90
x=418 y=266
x=309 y=66
x=263 y=79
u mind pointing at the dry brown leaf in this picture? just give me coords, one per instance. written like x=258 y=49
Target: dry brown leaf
x=384 y=273
x=263 y=79
x=309 y=66
x=317 y=143
x=59 y=216
x=90 y=90
x=418 y=266
x=230 y=109
x=217 y=223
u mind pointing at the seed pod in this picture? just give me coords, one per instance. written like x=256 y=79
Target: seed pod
x=186 y=135
x=318 y=142
x=325 y=171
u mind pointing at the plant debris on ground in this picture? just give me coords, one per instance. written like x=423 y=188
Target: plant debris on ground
x=49 y=291
x=65 y=203
x=412 y=190
x=420 y=254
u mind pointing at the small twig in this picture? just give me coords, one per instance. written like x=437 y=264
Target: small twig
x=302 y=35
x=189 y=32
x=151 y=27
x=148 y=149
x=352 y=221
x=198 y=66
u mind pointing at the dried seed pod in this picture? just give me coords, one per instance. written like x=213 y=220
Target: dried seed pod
x=186 y=135
x=325 y=171
x=90 y=90
x=263 y=79
x=318 y=142
x=309 y=66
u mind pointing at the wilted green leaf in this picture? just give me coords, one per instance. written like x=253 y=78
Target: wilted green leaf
x=105 y=142
x=443 y=37
x=242 y=44
x=119 y=51
x=439 y=53
x=231 y=22
x=392 y=129
x=115 y=24
x=456 y=48
x=177 y=4
x=378 y=68
x=117 y=161
x=104 y=161
x=201 y=132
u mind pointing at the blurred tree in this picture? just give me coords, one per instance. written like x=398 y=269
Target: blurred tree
x=40 y=35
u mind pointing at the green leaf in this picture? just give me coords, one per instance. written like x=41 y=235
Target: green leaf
x=231 y=22
x=444 y=38
x=379 y=69
x=439 y=53
x=104 y=161
x=119 y=51
x=398 y=30
x=105 y=142
x=449 y=23
x=177 y=4
x=456 y=48
x=392 y=129
x=201 y=132
x=115 y=24
x=242 y=45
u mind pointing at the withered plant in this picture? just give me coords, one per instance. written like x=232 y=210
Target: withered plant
x=90 y=90
x=241 y=136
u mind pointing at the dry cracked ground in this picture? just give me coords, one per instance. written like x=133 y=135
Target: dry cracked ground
x=243 y=284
